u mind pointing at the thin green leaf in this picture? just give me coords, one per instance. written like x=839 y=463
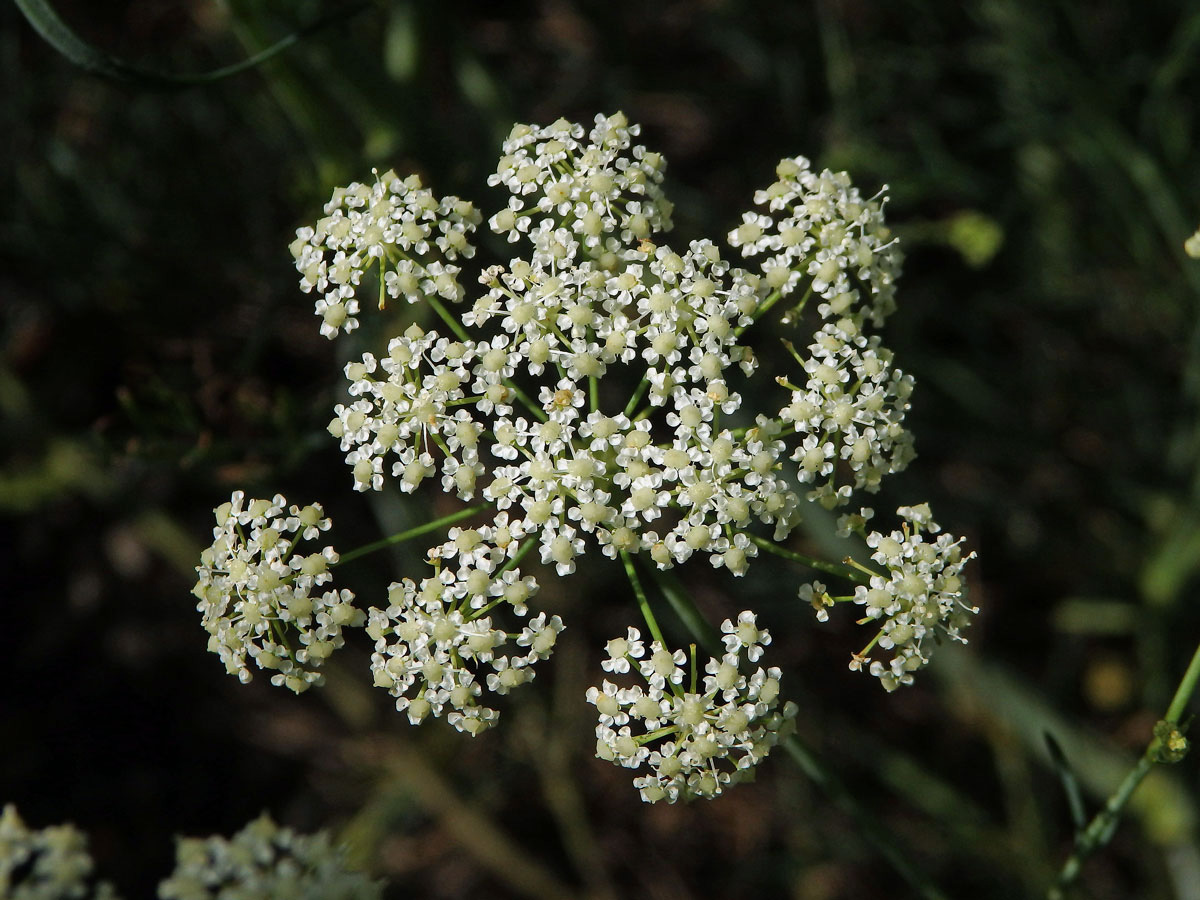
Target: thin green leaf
x=681 y=602
x=47 y=23
x=1069 y=782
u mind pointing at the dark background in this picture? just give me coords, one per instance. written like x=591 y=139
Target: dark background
x=155 y=354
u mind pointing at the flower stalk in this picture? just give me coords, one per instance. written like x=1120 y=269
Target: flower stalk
x=1168 y=745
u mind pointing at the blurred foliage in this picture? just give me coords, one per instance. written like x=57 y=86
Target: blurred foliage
x=1044 y=164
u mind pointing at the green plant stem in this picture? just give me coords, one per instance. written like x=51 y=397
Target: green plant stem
x=47 y=23
x=636 y=396
x=444 y=314
x=842 y=571
x=1104 y=824
x=643 y=602
x=1183 y=693
x=767 y=303
x=681 y=603
x=402 y=536
x=538 y=412
x=515 y=560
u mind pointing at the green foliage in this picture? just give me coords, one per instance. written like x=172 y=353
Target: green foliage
x=1045 y=166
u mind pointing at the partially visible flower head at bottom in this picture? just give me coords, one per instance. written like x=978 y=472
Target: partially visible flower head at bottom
x=48 y=864
x=264 y=860
x=696 y=740
x=263 y=599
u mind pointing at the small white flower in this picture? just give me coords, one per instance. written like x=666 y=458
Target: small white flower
x=745 y=635
x=815 y=596
x=621 y=650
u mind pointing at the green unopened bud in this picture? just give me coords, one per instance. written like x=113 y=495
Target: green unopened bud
x=1171 y=744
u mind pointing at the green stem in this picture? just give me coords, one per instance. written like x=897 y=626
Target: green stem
x=681 y=603
x=419 y=530
x=786 y=429
x=1183 y=693
x=515 y=561
x=799 y=307
x=850 y=573
x=651 y=736
x=537 y=411
x=444 y=314
x=791 y=348
x=643 y=603
x=1104 y=824
x=770 y=301
x=637 y=396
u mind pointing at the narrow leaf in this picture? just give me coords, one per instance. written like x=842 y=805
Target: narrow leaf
x=1069 y=782
x=47 y=23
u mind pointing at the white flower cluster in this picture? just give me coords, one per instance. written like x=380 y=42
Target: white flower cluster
x=435 y=637
x=47 y=864
x=264 y=860
x=695 y=742
x=413 y=237
x=260 y=597
x=510 y=404
x=851 y=409
x=560 y=466
x=572 y=199
x=668 y=479
x=818 y=232
x=561 y=472
x=920 y=600
x=261 y=861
